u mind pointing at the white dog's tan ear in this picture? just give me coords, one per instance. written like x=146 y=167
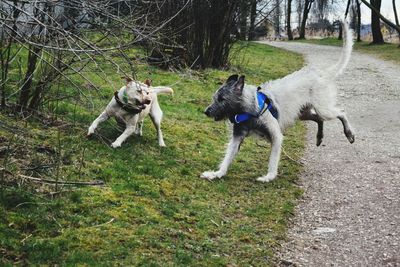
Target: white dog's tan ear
x=148 y=82
x=127 y=79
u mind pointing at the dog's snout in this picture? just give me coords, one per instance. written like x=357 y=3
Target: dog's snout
x=147 y=101
x=208 y=112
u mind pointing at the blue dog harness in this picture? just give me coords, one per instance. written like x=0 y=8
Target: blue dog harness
x=264 y=104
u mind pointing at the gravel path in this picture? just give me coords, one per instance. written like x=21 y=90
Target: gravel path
x=350 y=212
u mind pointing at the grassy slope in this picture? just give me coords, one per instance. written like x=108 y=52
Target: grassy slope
x=154 y=210
x=386 y=51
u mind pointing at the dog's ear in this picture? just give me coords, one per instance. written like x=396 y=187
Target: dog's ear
x=233 y=77
x=127 y=79
x=148 y=82
x=239 y=85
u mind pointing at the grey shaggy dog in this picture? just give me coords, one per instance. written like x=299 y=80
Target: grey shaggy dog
x=308 y=94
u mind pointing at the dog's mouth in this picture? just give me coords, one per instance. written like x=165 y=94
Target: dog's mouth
x=142 y=105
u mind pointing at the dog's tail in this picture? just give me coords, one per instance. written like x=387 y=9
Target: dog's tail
x=346 y=52
x=162 y=90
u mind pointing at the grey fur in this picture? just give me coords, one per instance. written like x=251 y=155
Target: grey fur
x=308 y=94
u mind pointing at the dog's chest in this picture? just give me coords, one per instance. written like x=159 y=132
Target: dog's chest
x=126 y=116
x=254 y=128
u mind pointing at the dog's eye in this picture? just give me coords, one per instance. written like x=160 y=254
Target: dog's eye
x=220 y=98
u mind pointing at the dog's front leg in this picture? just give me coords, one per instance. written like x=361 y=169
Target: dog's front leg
x=129 y=130
x=276 y=145
x=101 y=118
x=231 y=151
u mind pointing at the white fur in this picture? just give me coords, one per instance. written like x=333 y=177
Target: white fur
x=134 y=122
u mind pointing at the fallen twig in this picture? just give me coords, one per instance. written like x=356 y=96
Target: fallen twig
x=99 y=225
x=49 y=181
x=23 y=240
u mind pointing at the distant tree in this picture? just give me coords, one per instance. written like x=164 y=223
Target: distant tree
x=288 y=18
x=396 y=17
x=358 y=28
x=377 y=37
x=377 y=12
x=306 y=11
x=253 y=16
x=243 y=11
x=299 y=10
x=200 y=34
x=277 y=18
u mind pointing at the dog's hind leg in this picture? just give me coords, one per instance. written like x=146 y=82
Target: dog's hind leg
x=334 y=112
x=348 y=132
x=307 y=115
x=101 y=118
x=156 y=117
x=231 y=151
x=276 y=146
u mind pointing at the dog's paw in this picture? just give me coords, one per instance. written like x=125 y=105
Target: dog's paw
x=162 y=144
x=267 y=178
x=211 y=175
x=90 y=132
x=115 y=144
x=350 y=136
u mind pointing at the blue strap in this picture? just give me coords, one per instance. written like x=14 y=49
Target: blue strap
x=262 y=99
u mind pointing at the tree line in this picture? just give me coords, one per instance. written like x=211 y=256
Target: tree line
x=49 y=41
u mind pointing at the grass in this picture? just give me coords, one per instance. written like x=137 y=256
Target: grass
x=385 y=51
x=154 y=210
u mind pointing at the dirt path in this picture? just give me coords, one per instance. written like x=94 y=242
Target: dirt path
x=350 y=213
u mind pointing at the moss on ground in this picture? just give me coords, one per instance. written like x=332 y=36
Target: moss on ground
x=154 y=210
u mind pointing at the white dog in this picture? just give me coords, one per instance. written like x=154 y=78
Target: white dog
x=130 y=105
x=308 y=94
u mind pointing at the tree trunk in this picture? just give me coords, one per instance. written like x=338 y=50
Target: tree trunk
x=396 y=18
x=244 y=10
x=340 y=37
x=358 y=20
x=253 y=15
x=377 y=37
x=27 y=82
x=277 y=16
x=307 y=7
x=288 y=17
x=299 y=13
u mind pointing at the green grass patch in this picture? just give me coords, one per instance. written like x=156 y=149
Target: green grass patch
x=154 y=209
x=385 y=51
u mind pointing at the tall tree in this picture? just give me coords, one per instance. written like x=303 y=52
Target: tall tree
x=358 y=29
x=253 y=16
x=383 y=18
x=377 y=37
x=243 y=15
x=306 y=11
x=396 y=17
x=277 y=18
x=288 y=18
x=299 y=10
